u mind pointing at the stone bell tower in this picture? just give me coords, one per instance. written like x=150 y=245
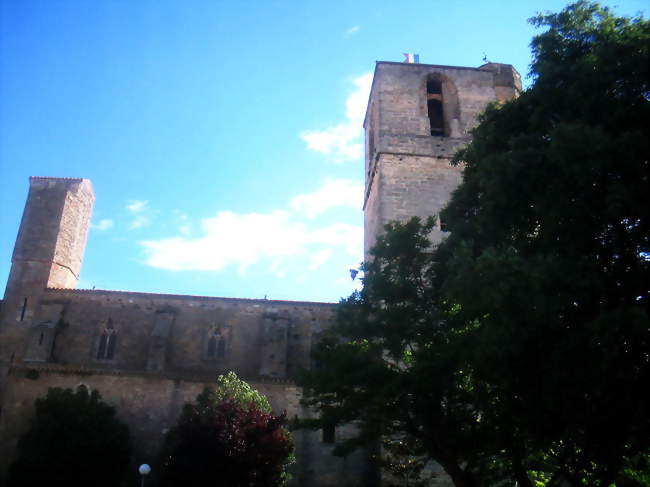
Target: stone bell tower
x=418 y=116
x=52 y=237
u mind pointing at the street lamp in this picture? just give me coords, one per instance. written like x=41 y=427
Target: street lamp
x=144 y=470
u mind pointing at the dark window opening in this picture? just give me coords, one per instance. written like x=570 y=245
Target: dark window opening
x=329 y=433
x=212 y=346
x=101 y=350
x=434 y=86
x=216 y=345
x=40 y=339
x=107 y=340
x=110 y=347
x=443 y=226
x=434 y=107
x=221 y=348
x=22 y=313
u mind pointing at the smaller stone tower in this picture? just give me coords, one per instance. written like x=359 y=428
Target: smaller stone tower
x=418 y=116
x=52 y=237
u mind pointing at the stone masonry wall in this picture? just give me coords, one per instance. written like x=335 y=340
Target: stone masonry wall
x=78 y=318
x=400 y=90
x=407 y=169
x=52 y=237
x=410 y=186
x=72 y=236
x=161 y=360
x=150 y=405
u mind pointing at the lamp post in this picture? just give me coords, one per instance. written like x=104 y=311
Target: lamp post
x=144 y=470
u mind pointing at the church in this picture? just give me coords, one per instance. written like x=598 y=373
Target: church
x=148 y=354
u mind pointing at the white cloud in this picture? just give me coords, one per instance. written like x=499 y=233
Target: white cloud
x=286 y=241
x=136 y=206
x=103 y=224
x=352 y=30
x=332 y=193
x=233 y=239
x=350 y=237
x=319 y=259
x=344 y=141
x=357 y=102
x=141 y=213
x=139 y=221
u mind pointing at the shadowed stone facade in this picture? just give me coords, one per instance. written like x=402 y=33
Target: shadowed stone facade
x=148 y=354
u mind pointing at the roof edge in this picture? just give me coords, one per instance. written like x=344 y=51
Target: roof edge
x=431 y=65
x=184 y=296
x=57 y=179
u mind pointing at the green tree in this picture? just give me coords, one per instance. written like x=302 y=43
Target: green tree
x=229 y=436
x=395 y=364
x=75 y=440
x=550 y=246
x=518 y=349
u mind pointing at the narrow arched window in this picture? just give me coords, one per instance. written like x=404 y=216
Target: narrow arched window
x=221 y=347
x=110 y=346
x=212 y=346
x=434 y=107
x=22 y=311
x=217 y=341
x=107 y=341
x=101 y=349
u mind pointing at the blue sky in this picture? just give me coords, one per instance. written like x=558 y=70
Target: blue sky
x=223 y=139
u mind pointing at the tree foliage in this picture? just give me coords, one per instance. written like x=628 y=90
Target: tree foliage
x=74 y=439
x=518 y=349
x=395 y=364
x=229 y=436
x=231 y=388
x=550 y=245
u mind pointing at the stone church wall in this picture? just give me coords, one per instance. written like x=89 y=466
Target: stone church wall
x=161 y=359
x=171 y=333
x=150 y=404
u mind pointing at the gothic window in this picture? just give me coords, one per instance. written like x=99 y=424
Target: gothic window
x=101 y=351
x=106 y=347
x=212 y=346
x=216 y=344
x=221 y=348
x=434 y=107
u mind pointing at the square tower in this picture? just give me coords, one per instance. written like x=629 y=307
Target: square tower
x=418 y=116
x=52 y=236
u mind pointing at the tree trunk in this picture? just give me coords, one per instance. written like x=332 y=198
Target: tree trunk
x=521 y=476
x=459 y=477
